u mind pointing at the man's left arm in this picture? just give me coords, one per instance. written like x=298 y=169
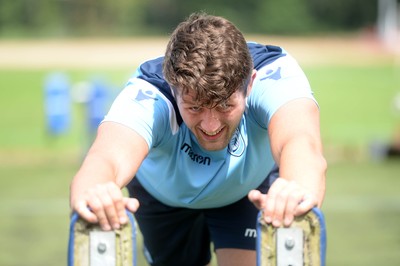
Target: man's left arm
x=294 y=132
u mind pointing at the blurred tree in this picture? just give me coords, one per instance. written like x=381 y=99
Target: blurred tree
x=344 y=14
x=103 y=17
x=285 y=17
x=10 y=17
x=126 y=17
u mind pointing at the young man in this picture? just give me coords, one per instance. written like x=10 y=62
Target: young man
x=198 y=137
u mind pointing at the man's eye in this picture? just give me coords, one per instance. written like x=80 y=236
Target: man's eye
x=195 y=108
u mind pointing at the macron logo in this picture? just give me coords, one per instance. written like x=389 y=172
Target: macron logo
x=146 y=95
x=250 y=232
x=273 y=74
x=205 y=160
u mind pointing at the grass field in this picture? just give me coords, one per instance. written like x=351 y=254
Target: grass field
x=362 y=205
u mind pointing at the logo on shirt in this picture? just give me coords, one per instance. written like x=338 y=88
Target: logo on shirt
x=236 y=145
x=146 y=95
x=194 y=156
x=274 y=74
x=250 y=232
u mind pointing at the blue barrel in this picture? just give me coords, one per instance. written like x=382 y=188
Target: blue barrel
x=57 y=103
x=97 y=104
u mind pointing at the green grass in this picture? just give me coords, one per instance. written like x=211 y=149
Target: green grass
x=34 y=208
x=362 y=206
x=356 y=102
x=362 y=210
x=22 y=110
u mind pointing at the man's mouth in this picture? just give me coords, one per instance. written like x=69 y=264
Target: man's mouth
x=212 y=134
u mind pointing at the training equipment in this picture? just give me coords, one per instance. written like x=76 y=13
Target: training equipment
x=89 y=245
x=301 y=244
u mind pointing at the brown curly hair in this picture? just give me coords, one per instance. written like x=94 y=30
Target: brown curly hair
x=209 y=55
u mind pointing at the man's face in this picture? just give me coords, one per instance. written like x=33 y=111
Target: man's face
x=212 y=126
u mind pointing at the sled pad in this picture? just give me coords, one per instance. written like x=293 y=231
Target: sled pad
x=301 y=244
x=89 y=245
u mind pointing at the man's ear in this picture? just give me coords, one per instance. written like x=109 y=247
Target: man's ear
x=250 y=85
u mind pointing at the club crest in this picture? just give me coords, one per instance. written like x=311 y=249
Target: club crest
x=236 y=145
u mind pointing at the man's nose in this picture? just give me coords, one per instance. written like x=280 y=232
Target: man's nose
x=210 y=120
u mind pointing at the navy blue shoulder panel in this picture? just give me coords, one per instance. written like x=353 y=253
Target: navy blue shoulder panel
x=151 y=70
x=264 y=54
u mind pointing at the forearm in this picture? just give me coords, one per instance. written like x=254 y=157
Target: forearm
x=114 y=157
x=302 y=161
x=94 y=170
x=96 y=195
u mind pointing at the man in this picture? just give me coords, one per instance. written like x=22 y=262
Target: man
x=198 y=137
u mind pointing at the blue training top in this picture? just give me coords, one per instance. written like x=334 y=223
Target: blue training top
x=177 y=171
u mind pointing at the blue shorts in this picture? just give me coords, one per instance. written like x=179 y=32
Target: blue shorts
x=182 y=236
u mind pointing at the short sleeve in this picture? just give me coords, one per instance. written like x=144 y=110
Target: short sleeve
x=141 y=107
x=276 y=84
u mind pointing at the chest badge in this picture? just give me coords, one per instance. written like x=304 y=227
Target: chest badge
x=236 y=145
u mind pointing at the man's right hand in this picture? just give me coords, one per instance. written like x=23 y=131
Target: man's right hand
x=104 y=204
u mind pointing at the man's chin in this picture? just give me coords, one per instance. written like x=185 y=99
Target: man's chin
x=213 y=146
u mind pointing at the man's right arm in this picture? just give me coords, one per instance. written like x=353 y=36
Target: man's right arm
x=110 y=164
